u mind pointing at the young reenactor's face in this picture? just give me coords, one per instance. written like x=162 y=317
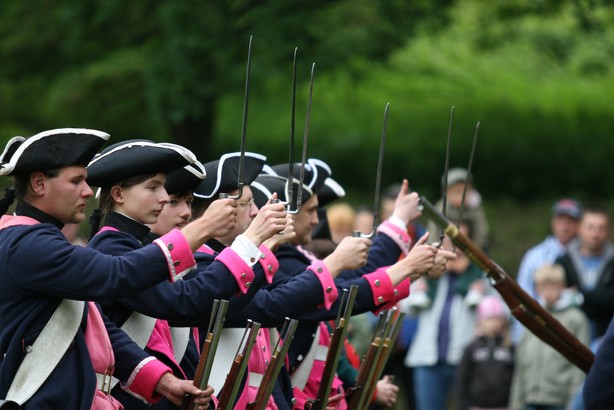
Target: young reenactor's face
x=143 y=202
x=175 y=215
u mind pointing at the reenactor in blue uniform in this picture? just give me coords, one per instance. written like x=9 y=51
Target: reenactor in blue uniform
x=132 y=177
x=380 y=284
x=56 y=351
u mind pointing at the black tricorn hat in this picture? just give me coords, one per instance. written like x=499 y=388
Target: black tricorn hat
x=224 y=173
x=184 y=179
x=330 y=191
x=51 y=149
x=136 y=157
x=265 y=185
x=316 y=172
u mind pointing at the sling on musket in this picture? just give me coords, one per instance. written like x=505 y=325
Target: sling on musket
x=334 y=349
x=240 y=182
x=530 y=313
x=229 y=391
x=207 y=352
x=277 y=361
x=378 y=179
x=387 y=346
x=355 y=395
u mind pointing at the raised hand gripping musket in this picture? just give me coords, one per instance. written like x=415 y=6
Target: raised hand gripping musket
x=356 y=395
x=240 y=182
x=378 y=179
x=207 y=352
x=530 y=313
x=334 y=349
x=277 y=361
x=387 y=346
x=230 y=390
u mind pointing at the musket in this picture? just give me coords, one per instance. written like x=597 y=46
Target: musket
x=277 y=361
x=356 y=395
x=229 y=391
x=207 y=352
x=530 y=313
x=240 y=182
x=387 y=346
x=378 y=179
x=334 y=349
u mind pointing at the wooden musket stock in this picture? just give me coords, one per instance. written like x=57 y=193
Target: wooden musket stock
x=334 y=350
x=530 y=313
x=207 y=353
x=229 y=391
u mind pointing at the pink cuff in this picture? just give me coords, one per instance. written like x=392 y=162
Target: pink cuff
x=243 y=274
x=401 y=291
x=381 y=287
x=398 y=235
x=269 y=263
x=145 y=377
x=178 y=253
x=328 y=284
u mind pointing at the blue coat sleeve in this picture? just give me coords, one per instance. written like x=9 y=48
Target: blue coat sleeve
x=182 y=303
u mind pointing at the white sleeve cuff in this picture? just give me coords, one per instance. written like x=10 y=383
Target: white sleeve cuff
x=397 y=222
x=246 y=250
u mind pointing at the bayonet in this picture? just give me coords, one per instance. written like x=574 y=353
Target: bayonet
x=444 y=182
x=240 y=182
x=468 y=178
x=378 y=179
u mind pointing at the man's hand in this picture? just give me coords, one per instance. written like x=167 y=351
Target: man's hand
x=284 y=236
x=174 y=389
x=406 y=206
x=271 y=220
x=220 y=217
x=351 y=253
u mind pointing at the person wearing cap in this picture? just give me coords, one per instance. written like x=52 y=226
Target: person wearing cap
x=58 y=351
x=380 y=284
x=132 y=202
x=543 y=377
x=589 y=268
x=472 y=210
x=565 y=215
x=485 y=372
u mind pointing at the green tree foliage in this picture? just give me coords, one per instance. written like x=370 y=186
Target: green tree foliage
x=158 y=69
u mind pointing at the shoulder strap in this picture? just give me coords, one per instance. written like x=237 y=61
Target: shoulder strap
x=301 y=374
x=49 y=347
x=181 y=338
x=139 y=328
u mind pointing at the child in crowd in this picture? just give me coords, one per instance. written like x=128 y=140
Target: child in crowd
x=543 y=378
x=486 y=369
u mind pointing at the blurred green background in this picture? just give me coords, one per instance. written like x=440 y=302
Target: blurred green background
x=536 y=74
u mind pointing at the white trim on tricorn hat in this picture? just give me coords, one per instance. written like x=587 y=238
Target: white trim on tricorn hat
x=52 y=149
x=185 y=179
x=316 y=172
x=330 y=191
x=226 y=173
x=136 y=157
